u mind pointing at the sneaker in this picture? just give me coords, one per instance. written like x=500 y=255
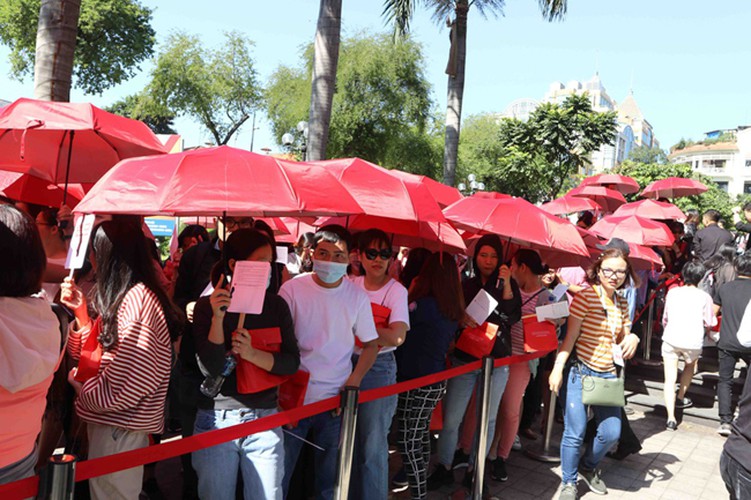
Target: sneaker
x=569 y=492
x=440 y=477
x=681 y=404
x=725 y=429
x=498 y=470
x=593 y=480
x=672 y=425
x=399 y=481
x=461 y=459
x=517 y=446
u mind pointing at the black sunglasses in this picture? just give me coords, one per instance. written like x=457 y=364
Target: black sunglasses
x=384 y=253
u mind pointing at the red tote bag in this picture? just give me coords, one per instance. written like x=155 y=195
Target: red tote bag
x=91 y=355
x=251 y=378
x=539 y=335
x=381 y=315
x=478 y=341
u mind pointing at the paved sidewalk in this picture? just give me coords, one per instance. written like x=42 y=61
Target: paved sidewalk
x=681 y=465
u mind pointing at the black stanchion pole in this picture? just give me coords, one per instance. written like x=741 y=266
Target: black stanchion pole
x=545 y=453
x=58 y=479
x=346 y=442
x=482 y=426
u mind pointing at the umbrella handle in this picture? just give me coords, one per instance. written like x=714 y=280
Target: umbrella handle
x=67 y=166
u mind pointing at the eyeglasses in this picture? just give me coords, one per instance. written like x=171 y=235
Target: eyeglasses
x=384 y=253
x=609 y=273
x=234 y=223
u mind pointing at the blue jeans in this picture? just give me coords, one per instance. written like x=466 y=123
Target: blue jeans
x=259 y=457
x=458 y=393
x=370 y=470
x=325 y=433
x=608 y=420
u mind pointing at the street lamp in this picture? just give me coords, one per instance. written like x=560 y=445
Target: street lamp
x=471 y=186
x=297 y=140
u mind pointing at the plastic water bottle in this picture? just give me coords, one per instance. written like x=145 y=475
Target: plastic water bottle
x=211 y=385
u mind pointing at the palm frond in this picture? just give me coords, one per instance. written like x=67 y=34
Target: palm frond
x=399 y=12
x=553 y=10
x=486 y=7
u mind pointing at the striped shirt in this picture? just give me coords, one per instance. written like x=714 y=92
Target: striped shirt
x=131 y=387
x=594 y=346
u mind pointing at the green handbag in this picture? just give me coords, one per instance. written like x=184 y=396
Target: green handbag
x=598 y=391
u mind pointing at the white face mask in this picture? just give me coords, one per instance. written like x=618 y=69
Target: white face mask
x=329 y=272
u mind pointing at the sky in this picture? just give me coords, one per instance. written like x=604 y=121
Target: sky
x=686 y=61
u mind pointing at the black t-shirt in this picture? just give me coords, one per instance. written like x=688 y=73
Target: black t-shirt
x=709 y=240
x=732 y=297
x=738 y=444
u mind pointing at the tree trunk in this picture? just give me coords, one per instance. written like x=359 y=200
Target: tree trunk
x=325 y=61
x=455 y=94
x=56 y=43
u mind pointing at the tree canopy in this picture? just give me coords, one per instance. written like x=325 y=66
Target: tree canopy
x=219 y=88
x=114 y=38
x=142 y=107
x=382 y=109
x=645 y=154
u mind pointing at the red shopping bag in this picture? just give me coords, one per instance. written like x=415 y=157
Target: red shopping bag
x=436 y=419
x=292 y=392
x=478 y=341
x=381 y=316
x=91 y=355
x=251 y=378
x=716 y=328
x=539 y=335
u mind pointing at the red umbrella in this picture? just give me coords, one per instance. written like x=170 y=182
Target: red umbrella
x=673 y=187
x=641 y=257
x=69 y=143
x=443 y=194
x=491 y=195
x=569 y=204
x=608 y=199
x=31 y=189
x=517 y=221
x=621 y=183
x=634 y=229
x=651 y=209
x=214 y=181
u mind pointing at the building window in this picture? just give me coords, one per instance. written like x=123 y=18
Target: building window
x=715 y=163
x=722 y=185
x=747 y=187
x=748 y=163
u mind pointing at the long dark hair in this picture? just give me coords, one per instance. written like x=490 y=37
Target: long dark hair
x=724 y=255
x=123 y=259
x=23 y=260
x=439 y=278
x=532 y=260
x=415 y=260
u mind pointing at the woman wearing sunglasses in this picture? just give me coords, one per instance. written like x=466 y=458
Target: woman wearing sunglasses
x=389 y=302
x=599 y=329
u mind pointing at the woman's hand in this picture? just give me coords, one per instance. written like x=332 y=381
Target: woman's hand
x=242 y=346
x=72 y=297
x=220 y=300
x=629 y=345
x=73 y=382
x=556 y=379
x=468 y=322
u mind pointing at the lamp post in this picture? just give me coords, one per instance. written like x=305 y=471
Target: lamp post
x=298 y=139
x=471 y=186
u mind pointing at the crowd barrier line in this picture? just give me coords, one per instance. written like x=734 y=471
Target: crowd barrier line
x=101 y=466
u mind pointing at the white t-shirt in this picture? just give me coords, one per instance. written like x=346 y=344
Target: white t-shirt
x=687 y=310
x=392 y=295
x=325 y=320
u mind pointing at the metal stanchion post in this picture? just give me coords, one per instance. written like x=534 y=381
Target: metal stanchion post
x=648 y=331
x=482 y=426
x=346 y=442
x=545 y=454
x=58 y=479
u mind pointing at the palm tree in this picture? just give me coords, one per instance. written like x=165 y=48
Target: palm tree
x=56 y=43
x=325 y=61
x=400 y=13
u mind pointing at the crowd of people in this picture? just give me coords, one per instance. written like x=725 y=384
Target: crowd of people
x=110 y=357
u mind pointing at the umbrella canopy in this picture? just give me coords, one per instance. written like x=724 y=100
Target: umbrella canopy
x=608 y=199
x=634 y=229
x=569 y=204
x=69 y=142
x=517 y=221
x=641 y=257
x=214 y=181
x=491 y=195
x=673 y=187
x=443 y=194
x=621 y=183
x=651 y=209
x=31 y=189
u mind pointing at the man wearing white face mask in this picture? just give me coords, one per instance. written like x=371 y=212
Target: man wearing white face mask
x=328 y=312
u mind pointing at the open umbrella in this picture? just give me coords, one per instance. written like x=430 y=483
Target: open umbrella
x=69 y=142
x=651 y=209
x=569 y=204
x=633 y=229
x=31 y=189
x=621 y=183
x=608 y=199
x=491 y=195
x=673 y=187
x=517 y=221
x=443 y=194
x=215 y=181
x=641 y=257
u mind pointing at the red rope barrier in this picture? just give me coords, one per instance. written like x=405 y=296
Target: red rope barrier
x=87 y=469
